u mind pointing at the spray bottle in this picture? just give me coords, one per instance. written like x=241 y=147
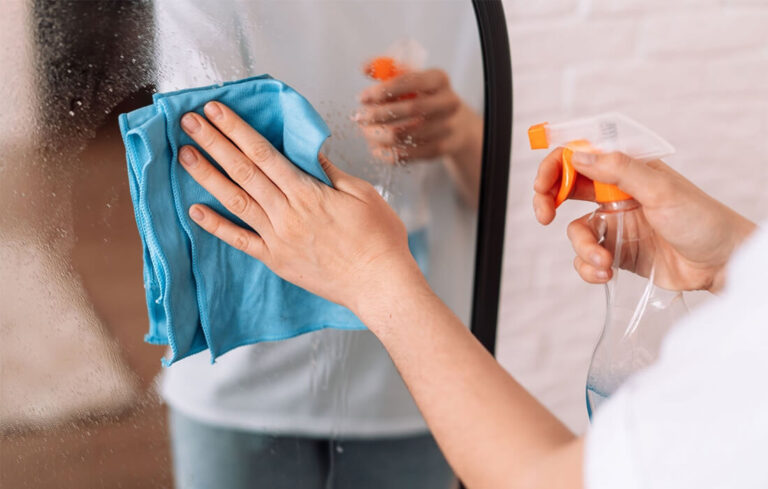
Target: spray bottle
x=401 y=57
x=638 y=312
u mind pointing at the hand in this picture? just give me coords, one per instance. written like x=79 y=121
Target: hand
x=340 y=243
x=416 y=115
x=693 y=234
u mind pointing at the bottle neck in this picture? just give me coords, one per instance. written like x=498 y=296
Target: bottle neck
x=618 y=206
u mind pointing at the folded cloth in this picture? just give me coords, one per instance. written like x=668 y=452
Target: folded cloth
x=200 y=292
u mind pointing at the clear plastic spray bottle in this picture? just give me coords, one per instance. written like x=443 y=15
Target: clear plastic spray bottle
x=638 y=312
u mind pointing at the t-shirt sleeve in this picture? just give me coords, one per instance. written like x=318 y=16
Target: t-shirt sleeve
x=697 y=418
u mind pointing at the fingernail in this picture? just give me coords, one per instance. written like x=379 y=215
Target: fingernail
x=601 y=274
x=582 y=158
x=189 y=123
x=596 y=259
x=187 y=157
x=195 y=213
x=213 y=111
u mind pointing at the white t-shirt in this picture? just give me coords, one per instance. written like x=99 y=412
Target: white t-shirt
x=698 y=417
x=326 y=383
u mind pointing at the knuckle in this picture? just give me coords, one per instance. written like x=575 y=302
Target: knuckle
x=571 y=229
x=243 y=172
x=617 y=160
x=577 y=264
x=411 y=106
x=259 y=151
x=238 y=203
x=441 y=76
x=213 y=226
x=207 y=138
x=204 y=173
x=240 y=240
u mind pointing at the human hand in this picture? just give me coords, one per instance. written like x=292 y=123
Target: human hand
x=339 y=243
x=693 y=234
x=416 y=115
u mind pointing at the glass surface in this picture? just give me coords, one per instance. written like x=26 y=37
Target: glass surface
x=84 y=402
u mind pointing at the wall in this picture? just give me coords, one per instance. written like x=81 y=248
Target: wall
x=696 y=71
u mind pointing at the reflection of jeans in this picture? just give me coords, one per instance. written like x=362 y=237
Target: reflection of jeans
x=210 y=457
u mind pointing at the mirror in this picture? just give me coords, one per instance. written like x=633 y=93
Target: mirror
x=85 y=402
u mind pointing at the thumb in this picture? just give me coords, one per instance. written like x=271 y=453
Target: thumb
x=638 y=179
x=340 y=180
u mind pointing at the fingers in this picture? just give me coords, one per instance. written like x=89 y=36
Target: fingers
x=227 y=231
x=549 y=172
x=255 y=146
x=427 y=81
x=421 y=151
x=547 y=183
x=234 y=198
x=544 y=207
x=649 y=182
x=237 y=165
x=411 y=132
x=590 y=274
x=593 y=262
x=545 y=186
x=440 y=105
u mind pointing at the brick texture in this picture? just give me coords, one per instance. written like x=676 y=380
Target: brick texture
x=695 y=71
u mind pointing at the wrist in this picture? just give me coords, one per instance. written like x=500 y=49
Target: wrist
x=740 y=230
x=378 y=298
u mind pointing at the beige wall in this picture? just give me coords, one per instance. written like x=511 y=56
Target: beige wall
x=695 y=71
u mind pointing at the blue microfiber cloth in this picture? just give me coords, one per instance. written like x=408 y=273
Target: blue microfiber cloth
x=202 y=293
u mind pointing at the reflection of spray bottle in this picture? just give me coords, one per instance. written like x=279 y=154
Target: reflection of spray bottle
x=638 y=313
x=401 y=57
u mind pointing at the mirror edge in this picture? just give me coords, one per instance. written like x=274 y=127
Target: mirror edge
x=497 y=141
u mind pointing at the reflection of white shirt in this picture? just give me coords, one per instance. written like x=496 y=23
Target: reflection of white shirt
x=328 y=382
x=698 y=418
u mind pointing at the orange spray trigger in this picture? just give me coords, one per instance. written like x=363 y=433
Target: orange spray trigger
x=567 y=178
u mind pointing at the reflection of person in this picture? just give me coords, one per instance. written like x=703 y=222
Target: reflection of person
x=664 y=428
x=330 y=403
x=417 y=116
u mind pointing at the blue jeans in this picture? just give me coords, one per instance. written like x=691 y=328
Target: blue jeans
x=211 y=457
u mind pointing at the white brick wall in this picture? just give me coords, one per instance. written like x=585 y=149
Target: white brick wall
x=696 y=71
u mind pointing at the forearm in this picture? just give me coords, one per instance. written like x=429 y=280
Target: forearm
x=465 y=165
x=492 y=431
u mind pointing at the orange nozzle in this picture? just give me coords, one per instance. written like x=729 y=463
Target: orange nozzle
x=383 y=68
x=537 y=136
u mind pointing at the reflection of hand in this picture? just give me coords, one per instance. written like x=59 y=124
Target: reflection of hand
x=694 y=234
x=416 y=115
x=334 y=242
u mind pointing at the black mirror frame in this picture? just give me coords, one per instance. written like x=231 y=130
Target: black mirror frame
x=497 y=140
